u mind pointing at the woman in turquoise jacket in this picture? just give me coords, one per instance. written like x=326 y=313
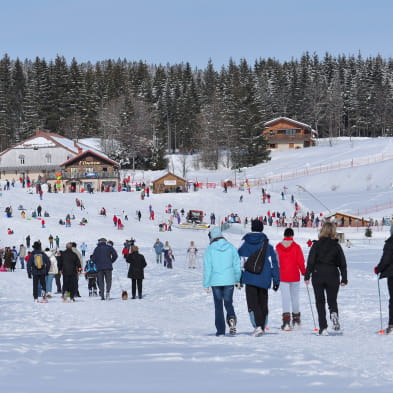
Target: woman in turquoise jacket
x=221 y=272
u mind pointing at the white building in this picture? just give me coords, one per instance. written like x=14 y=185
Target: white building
x=39 y=156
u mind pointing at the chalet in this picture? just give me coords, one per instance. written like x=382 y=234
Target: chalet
x=347 y=220
x=39 y=156
x=88 y=171
x=284 y=133
x=169 y=183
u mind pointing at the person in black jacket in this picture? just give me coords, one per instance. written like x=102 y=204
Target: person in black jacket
x=36 y=272
x=385 y=270
x=325 y=263
x=69 y=266
x=135 y=272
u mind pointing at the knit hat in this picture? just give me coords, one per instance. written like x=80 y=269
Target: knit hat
x=102 y=239
x=37 y=245
x=215 y=233
x=256 y=226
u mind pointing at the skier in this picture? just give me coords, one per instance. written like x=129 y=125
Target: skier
x=221 y=271
x=257 y=285
x=385 y=270
x=325 y=263
x=291 y=260
x=192 y=254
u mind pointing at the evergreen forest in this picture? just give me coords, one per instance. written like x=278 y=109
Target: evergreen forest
x=142 y=111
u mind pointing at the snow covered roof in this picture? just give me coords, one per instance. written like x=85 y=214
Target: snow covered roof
x=299 y=123
x=93 y=153
x=43 y=139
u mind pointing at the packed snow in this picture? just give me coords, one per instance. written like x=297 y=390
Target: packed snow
x=166 y=341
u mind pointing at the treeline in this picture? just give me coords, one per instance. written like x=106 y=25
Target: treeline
x=142 y=111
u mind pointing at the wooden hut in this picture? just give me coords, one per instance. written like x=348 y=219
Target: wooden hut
x=169 y=183
x=347 y=220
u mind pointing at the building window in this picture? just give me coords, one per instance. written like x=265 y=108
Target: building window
x=104 y=169
x=271 y=132
x=48 y=158
x=290 y=131
x=21 y=159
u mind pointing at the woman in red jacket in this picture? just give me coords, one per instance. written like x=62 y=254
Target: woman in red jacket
x=291 y=260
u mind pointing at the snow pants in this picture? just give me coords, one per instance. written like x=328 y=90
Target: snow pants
x=38 y=279
x=290 y=296
x=325 y=281
x=70 y=285
x=257 y=303
x=390 y=287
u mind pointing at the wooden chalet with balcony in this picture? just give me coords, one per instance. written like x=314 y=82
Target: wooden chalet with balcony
x=284 y=133
x=88 y=171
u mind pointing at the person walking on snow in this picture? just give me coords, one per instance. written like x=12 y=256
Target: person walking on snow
x=104 y=256
x=158 y=248
x=385 y=270
x=325 y=264
x=257 y=285
x=291 y=261
x=221 y=271
x=136 y=271
x=114 y=219
x=192 y=255
x=38 y=266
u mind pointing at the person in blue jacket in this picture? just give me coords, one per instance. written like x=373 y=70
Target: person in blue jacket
x=221 y=272
x=104 y=256
x=257 y=285
x=158 y=248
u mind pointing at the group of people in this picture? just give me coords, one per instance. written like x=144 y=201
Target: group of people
x=279 y=267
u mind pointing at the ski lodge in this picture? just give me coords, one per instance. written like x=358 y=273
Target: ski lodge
x=284 y=133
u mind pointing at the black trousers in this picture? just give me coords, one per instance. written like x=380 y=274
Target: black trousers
x=136 y=282
x=70 y=285
x=257 y=303
x=390 y=287
x=58 y=282
x=36 y=280
x=326 y=285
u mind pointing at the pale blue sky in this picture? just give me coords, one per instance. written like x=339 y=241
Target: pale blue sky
x=175 y=31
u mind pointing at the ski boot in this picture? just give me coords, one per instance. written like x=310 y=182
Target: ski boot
x=296 y=319
x=286 y=321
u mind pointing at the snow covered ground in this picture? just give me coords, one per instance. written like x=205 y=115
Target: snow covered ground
x=165 y=342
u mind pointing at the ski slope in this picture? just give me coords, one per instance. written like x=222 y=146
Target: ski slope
x=166 y=341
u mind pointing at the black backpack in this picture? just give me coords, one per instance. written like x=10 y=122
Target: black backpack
x=256 y=261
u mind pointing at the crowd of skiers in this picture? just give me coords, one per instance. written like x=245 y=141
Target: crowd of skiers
x=281 y=268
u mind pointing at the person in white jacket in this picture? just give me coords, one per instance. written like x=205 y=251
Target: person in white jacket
x=53 y=270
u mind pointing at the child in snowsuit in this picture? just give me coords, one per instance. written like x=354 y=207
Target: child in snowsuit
x=192 y=254
x=91 y=275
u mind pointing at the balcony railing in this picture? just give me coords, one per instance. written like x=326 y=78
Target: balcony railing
x=84 y=175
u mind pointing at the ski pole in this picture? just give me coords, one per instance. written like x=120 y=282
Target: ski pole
x=380 y=306
x=312 y=312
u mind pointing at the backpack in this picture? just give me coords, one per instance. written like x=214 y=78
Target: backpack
x=90 y=267
x=39 y=261
x=256 y=261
